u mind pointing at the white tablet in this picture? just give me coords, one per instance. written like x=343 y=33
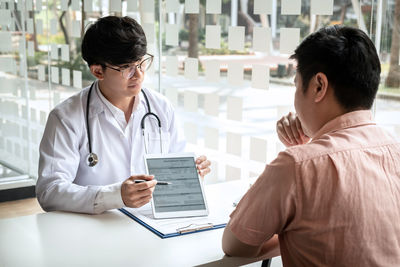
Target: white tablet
x=184 y=196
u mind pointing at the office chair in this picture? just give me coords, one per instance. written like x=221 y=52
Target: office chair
x=266 y=263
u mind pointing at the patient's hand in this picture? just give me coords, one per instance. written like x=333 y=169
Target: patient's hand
x=290 y=131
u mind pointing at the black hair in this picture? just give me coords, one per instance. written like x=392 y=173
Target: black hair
x=114 y=40
x=349 y=60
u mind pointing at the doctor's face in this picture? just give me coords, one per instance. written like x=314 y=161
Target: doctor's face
x=127 y=79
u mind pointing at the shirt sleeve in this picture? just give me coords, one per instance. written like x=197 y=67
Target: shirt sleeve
x=269 y=205
x=108 y=197
x=58 y=165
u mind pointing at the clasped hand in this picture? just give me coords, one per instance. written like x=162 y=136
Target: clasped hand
x=290 y=131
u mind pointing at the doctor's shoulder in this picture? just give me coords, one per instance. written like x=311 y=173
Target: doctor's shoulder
x=159 y=102
x=71 y=109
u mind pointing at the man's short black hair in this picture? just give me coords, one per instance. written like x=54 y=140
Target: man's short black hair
x=114 y=40
x=349 y=60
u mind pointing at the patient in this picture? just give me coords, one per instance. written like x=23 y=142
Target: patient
x=334 y=200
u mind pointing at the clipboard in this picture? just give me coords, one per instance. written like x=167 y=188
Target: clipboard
x=182 y=230
x=220 y=198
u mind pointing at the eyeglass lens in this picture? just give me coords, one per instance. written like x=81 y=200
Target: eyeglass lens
x=143 y=66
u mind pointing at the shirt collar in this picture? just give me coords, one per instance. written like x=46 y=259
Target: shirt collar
x=113 y=109
x=98 y=101
x=347 y=120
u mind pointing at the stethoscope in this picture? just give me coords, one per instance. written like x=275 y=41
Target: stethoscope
x=93 y=158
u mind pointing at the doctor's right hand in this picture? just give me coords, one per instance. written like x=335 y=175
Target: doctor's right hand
x=136 y=195
x=290 y=131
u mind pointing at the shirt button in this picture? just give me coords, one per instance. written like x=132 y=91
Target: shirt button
x=122 y=136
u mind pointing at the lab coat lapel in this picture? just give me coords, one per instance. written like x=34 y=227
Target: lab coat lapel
x=137 y=118
x=95 y=104
x=137 y=140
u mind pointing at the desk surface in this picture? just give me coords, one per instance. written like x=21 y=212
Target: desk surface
x=110 y=239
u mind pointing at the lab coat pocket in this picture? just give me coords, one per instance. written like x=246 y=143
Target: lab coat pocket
x=155 y=143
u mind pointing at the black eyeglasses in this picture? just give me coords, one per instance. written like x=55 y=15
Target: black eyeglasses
x=143 y=66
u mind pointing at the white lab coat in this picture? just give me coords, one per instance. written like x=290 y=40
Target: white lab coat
x=66 y=182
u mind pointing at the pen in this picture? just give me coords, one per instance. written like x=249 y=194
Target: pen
x=158 y=182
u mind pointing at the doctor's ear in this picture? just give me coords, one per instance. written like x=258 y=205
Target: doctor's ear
x=97 y=71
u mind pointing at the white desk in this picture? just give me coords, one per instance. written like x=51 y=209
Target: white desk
x=109 y=239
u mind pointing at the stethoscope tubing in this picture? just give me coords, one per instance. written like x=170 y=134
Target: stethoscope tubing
x=93 y=158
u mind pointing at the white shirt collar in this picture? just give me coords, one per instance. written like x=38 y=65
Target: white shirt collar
x=113 y=108
x=117 y=113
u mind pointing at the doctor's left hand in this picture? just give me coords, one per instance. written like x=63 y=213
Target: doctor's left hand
x=135 y=195
x=203 y=166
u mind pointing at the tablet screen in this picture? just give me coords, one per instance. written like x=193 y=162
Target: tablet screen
x=184 y=193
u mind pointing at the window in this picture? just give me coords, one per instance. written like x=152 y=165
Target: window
x=223 y=64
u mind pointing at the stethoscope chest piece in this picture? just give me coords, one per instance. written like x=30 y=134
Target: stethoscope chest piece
x=92 y=159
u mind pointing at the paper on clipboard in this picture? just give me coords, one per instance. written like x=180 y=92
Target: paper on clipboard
x=176 y=225
x=220 y=198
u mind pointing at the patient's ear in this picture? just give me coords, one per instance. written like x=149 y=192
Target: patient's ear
x=97 y=71
x=319 y=86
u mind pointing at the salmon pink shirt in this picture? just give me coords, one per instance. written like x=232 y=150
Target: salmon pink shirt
x=333 y=202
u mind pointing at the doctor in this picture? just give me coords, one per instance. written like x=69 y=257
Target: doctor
x=94 y=142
